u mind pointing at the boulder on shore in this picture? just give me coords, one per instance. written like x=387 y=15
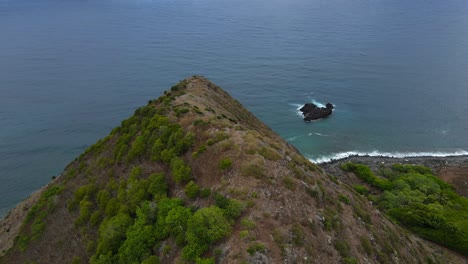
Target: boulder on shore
x=313 y=112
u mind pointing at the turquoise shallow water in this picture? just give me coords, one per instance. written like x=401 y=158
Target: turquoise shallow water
x=70 y=71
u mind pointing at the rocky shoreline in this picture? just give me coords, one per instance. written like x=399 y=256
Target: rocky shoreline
x=452 y=169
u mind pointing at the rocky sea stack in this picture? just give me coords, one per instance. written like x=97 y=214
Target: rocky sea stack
x=313 y=112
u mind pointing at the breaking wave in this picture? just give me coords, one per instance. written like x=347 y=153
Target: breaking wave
x=343 y=155
x=321 y=135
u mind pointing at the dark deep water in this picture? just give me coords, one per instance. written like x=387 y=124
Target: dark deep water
x=70 y=71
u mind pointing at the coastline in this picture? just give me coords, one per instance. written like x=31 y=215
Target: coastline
x=452 y=169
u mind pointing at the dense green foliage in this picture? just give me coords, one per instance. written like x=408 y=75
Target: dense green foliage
x=207 y=226
x=420 y=201
x=363 y=172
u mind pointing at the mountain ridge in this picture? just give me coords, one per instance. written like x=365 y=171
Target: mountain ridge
x=200 y=151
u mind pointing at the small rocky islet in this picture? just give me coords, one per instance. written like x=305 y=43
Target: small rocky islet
x=312 y=112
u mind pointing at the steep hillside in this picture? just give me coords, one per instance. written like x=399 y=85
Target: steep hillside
x=194 y=177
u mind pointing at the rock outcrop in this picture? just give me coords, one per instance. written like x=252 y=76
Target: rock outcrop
x=313 y=112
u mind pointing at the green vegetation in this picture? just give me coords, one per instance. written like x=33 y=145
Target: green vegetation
x=417 y=199
x=350 y=260
x=298 y=236
x=225 y=164
x=344 y=198
x=142 y=216
x=289 y=183
x=34 y=224
x=365 y=174
x=255 y=247
x=270 y=153
x=247 y=223
x=207 y=226
x=133 y=214
x=254 y=168
x=342 y=247
x=366 y=245
x=360 y=189
x=192 y=189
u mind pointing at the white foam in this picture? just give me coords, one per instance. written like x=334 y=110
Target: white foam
x=298 y=106
x=322 y=135
x=375 y=153
x=317 y=103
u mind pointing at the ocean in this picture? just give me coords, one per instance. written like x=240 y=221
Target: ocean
x=70 y=71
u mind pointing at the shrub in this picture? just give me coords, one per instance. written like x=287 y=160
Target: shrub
x=112 y=233
x=366 y=245
x=157 y=185
x=37 y=228
x=103 y=198
x=180 y=172
x=361 y=189
x=138 y=148
x=343 y=199
x=95 y=218
x=76 y=260
x=342 y=247
x=411 y=168
x=365 y=174
x=244 y=234
x=234 y=209
x=52 y=191
x=192 y=189
x=205 y=192
x=350 y=260
x=205 y=261
x=151 y=260
x=88 y=190
x=247 y=223
x=221 y=201
x=205 y=227
x=225 y=164
x=253 y=168
x=176 y=222
x=112 y=207
x=255 y=247
x=85 y=212
x=297 y=235
x=139 y=240
x=289 y=183
x=270 y=154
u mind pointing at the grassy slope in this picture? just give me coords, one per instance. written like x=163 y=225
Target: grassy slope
x=289 y=209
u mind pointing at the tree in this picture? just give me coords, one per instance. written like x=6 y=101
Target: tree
x=205 y=227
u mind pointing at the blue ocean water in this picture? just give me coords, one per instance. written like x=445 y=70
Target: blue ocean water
x=70 y=71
